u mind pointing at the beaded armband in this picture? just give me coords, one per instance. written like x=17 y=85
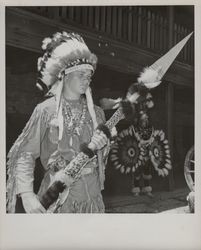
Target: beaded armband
x=73 y=169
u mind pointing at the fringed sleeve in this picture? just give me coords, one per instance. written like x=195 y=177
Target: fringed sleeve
x=102 y=154
x=22 y=155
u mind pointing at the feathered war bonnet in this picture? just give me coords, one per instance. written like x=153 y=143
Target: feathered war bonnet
x=64 y=53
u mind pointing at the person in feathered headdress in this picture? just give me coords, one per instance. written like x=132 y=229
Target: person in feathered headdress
x=140 y=147
x=56 y=129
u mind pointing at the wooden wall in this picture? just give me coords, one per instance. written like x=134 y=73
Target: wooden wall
x=142 y=26
x=26 y=30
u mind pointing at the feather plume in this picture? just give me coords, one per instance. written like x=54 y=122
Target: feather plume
x=149 y=77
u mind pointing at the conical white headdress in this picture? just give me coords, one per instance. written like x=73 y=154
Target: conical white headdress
x=152 y=75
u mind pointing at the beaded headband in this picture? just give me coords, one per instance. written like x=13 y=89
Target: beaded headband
x=78 y=67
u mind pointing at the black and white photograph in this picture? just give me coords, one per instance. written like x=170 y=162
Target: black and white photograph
x=105 y=95
x=100 y=112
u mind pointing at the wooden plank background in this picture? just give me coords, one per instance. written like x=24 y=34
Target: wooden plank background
x=26 y=30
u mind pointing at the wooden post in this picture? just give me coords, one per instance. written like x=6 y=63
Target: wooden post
x=119 y=27
x=64 y=12
x=56 y=13
x=179 y=39
x=71 y=13
x=84 y=15
x=114 y=21
x=149 y=29
x=161 y=34
x=183 y=35
x=170 y=25
x=157 y=32
x=165 y=35
x=175 y=33
x=139 y=25
x=108 y=19
x=102 y=16
x=170 y=98
x=144 y=27
x=90 y=17
x=77 y=14
x=153 y=31
x=130 y=23
x=97 y=17
x=185 y=47
x=135 y=24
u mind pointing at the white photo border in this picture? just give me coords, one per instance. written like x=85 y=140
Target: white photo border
x=105 y=231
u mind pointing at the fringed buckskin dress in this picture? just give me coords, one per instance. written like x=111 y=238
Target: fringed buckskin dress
x=40 y=139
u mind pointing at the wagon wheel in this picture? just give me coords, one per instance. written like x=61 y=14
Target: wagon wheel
x=189 y=168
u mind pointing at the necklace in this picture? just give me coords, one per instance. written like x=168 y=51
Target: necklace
x=145 y=133
x=144 y=136
x=74 y=113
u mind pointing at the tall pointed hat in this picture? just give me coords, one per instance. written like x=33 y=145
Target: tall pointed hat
x=152 y=75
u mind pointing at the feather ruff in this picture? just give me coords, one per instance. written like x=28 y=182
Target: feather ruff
x=149 y=78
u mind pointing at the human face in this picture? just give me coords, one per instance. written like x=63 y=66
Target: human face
x=149 y=102
x=77 y=82
x=144 y=121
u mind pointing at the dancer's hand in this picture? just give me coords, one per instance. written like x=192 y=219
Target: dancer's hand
x=98 y=141
x=31 y=203
x=63 y=177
